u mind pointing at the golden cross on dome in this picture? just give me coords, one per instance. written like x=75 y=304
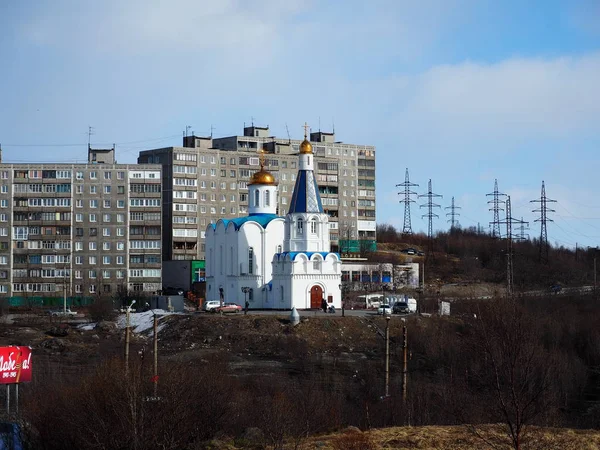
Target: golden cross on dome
x=306 y=128
x=261 y=157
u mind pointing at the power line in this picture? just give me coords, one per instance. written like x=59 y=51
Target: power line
x=407 y=228
x=453 y=214
x=495 y=201
x=81 y=144
x=543 y=201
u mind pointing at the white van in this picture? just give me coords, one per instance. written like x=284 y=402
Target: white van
x=372 y=301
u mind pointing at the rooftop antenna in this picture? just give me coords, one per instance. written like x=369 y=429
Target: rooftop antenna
x=288 y=133
x=211 y=131
x=187 y=129
x=252 y=119
x=319 y=124
x=333 y=125
x=90 y=133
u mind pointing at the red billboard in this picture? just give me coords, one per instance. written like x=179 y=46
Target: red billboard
x=15 y=365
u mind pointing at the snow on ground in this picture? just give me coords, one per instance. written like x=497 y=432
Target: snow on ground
x=143 y=321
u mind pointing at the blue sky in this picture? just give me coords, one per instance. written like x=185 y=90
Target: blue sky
x=462 y=92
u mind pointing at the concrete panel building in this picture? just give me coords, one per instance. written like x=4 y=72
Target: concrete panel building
x=77 y=230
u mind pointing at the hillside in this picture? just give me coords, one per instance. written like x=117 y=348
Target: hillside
x=465 y=256
x=227 y=379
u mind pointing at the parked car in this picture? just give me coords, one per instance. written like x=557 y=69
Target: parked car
x=384 y=310
x=62 y=312
x=400 y=308
x=228 y=308
x=211 y=305
x=409 y=251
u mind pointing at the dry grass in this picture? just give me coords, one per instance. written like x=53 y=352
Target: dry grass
x=456 y=438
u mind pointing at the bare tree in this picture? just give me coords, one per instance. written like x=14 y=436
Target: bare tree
x=514 y=367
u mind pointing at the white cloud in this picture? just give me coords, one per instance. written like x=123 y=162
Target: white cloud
x=515 y=97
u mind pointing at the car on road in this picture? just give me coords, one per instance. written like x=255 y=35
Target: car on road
x=384 y=310
x=211 y=305
x=63 y=312
x=401 y=308
x=409 y=251
x=228 y=308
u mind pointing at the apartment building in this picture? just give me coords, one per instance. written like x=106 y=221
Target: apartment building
x=206 y=179
x=77 y=230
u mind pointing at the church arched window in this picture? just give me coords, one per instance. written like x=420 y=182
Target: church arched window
x=250 y=260
x=279 y=249
x=267 y=198
x=313 y=226
x=256 y=198
x=300 y=226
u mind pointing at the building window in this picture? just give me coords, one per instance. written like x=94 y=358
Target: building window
x=300 y=226
x=313 y=226
x=267 y=198
x=250 y=261
x=256 y=198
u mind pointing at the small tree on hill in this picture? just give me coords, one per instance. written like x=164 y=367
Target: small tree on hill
x=514 y=367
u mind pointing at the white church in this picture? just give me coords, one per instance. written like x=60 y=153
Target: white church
x=275 y=262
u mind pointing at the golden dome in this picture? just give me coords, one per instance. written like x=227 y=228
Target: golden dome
x=305 y=147
x=263 y=177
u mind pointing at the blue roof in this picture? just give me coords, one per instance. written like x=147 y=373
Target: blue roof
x=260 y=218
x=293 y=255
x=306 y=198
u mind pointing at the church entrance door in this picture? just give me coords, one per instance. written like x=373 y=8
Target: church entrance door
x=316 y=297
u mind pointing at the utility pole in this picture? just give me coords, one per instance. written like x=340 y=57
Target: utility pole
x=387 y=356
x=405 y=361
x=430 y=215
x=155 y=378
x=543 y=201
x=453 y=214
x=495 y=201
x=407 y=228
x=127 y=336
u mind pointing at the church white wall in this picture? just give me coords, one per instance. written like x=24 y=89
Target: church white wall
x=297 y=277
x=230 y=267
x=306 y=241
x=262 y=207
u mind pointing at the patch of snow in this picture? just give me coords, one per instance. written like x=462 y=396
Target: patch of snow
x=143 y=321
x=86 y=326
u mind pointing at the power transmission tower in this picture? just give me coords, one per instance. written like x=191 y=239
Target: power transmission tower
x=495 y=201
x=407 y=229
x=523 y=227
x=430 y=215
x=453 y=214
x=543 y=201
x=509 y=249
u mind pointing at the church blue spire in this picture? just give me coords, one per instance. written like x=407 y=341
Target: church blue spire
x=306 y=198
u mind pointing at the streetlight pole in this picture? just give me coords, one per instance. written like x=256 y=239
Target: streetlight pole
x=343 y=300
x=245 y=290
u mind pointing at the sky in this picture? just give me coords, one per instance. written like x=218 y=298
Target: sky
x=459 y=92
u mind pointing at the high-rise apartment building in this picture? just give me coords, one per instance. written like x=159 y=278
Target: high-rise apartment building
x=80 y=229
x=207 y=179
